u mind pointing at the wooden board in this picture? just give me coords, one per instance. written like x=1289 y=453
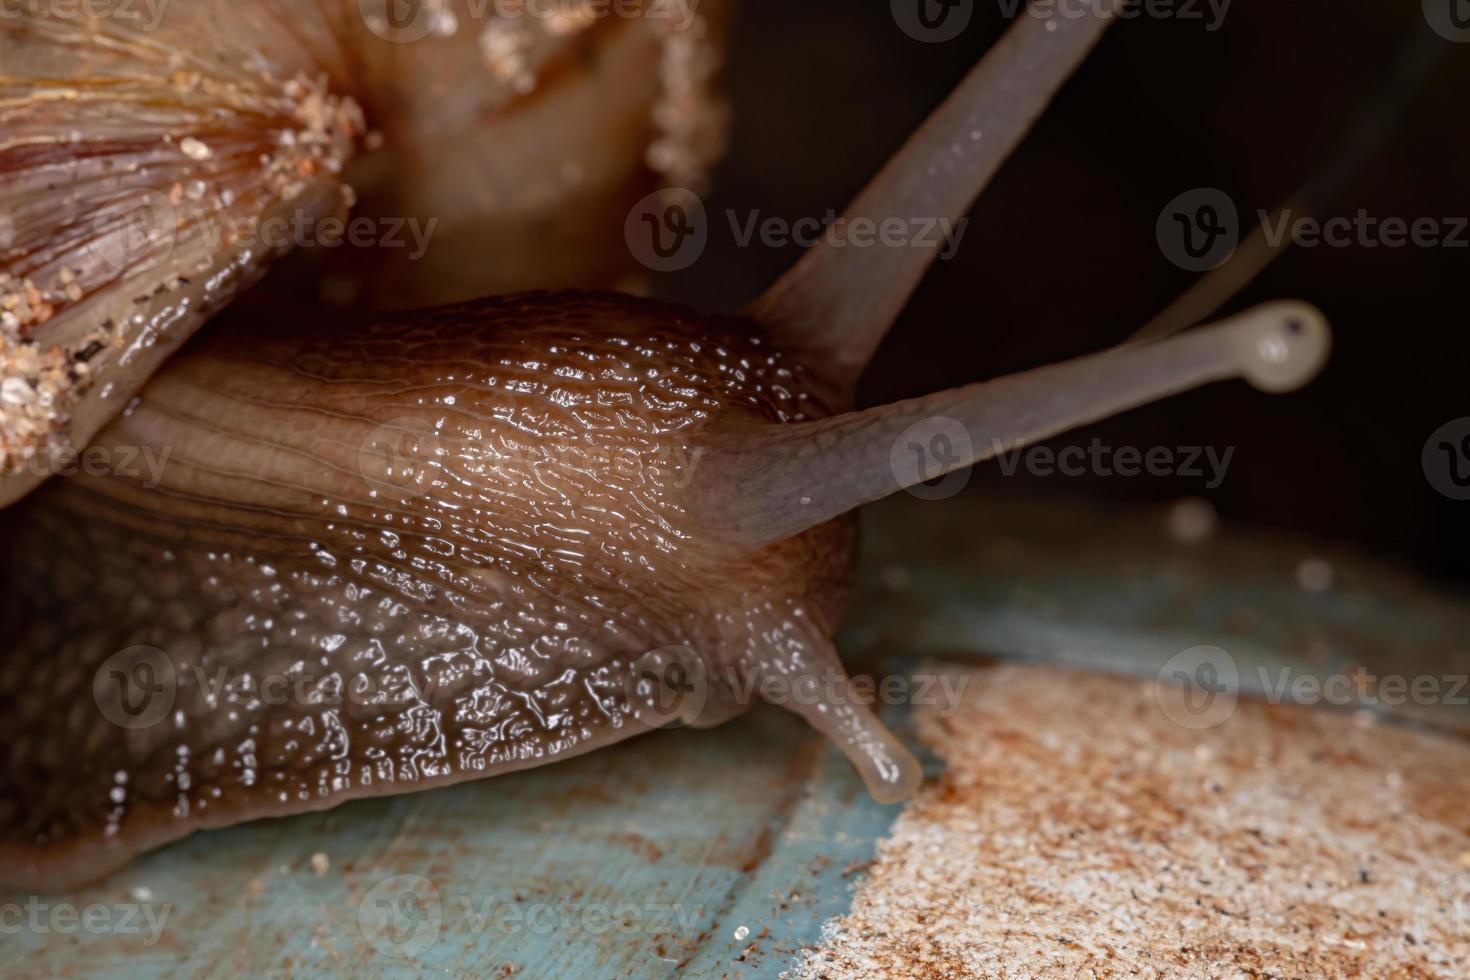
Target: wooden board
x=723 y=853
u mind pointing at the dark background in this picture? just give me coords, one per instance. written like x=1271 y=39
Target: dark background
x=1061 y=258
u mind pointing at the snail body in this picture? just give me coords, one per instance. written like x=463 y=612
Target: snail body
x=437 y=547
x=431 y=546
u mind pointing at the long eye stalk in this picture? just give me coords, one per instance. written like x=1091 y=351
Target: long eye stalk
x=767 y=483
x=834 y=306
x=762 y=484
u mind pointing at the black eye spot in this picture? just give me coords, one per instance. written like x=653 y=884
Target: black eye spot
x=1294 y=326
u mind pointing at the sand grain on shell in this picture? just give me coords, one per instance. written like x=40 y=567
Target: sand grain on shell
x=1080 y=833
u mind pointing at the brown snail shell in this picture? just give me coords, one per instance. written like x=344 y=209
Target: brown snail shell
x=146 y=167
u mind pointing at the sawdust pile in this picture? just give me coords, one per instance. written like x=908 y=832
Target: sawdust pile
x=1080 y=833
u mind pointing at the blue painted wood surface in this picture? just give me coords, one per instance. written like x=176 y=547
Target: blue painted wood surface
x=714 y=853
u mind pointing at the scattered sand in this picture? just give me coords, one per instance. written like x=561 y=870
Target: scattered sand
x=1079 y=833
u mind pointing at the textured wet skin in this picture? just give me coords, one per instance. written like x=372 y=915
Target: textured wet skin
x=380 y=559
